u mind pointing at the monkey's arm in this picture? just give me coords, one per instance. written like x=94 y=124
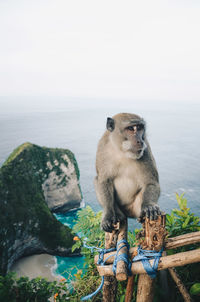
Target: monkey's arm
x=105 y=194
x=150 y=199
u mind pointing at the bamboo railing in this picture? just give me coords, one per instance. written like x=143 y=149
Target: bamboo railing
x=153 y=237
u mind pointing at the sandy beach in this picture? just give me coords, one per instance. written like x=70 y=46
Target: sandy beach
x=36 y=266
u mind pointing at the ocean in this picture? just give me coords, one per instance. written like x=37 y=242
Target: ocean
x=67 y=267
x=75 y=124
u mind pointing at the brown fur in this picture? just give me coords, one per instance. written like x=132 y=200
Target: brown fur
x=126 y=183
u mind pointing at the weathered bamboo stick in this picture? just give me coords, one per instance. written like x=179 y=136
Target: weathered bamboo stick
x=170 y=243
x=174 y=242
x=154 y=231
x=179 y=259
x=145 y=289
x=129 y=288
x=180 y=285
x=110 y=282
x=130 y=285
x=121 y=270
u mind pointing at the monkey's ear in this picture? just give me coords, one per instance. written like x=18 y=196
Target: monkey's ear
x=110 y=124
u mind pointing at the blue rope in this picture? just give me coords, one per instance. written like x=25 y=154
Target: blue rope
x=122 y=257
x=145 y=256
x=100 y=261
x=142 y=255
x=98 y=249
x=94 y=293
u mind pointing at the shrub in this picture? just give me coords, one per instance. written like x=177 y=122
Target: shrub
x=87 y=229
x=179 y=222
x=22 y=289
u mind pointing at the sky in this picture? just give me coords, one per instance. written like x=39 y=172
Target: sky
x=137 y=50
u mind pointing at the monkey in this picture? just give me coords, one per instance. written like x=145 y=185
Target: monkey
x=127 y=181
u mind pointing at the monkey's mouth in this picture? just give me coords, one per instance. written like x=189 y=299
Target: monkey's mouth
x=140 y=153
x=141 y=149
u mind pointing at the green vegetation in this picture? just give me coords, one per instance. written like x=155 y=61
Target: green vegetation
x=24 y=214
x=178 y=222
x=16 y=152
x=22 y=289
x=42 y=155
x=181 y=221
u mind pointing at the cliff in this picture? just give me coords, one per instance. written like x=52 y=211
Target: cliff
x=33 y=182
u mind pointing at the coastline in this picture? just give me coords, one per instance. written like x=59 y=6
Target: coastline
x=42 y=265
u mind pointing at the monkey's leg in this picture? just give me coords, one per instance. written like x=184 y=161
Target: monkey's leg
x=105 y=195
x=120 y=215
x=150 y=208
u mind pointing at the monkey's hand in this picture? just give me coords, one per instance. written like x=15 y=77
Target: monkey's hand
x=150 y=211
x=108 y=222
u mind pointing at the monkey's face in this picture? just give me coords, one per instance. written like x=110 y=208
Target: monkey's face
x=133 y=144
x=128 y=133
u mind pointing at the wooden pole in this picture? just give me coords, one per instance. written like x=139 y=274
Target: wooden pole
x=130 y=285
x=130 y=288
x=170 y=243
x=154 y=237
x=145 y=289
x=179 y=259
x=110 y=282
x=180 y=285
x=121 y=270
x=189 y=238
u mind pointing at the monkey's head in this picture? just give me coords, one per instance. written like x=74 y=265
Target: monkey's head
x=127 y=132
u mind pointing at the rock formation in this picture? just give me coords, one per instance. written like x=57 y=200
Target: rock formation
x=61 y=188
x=33 y=182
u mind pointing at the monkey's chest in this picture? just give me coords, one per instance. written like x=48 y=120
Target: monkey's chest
x=126 y=189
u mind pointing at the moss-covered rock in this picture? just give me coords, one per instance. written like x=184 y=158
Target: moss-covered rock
x=30 y=178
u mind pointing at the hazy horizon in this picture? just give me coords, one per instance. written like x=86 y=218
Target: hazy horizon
x=30 y=104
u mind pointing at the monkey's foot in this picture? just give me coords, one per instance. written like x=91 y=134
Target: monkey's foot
x=152 y=212
x=109 y=222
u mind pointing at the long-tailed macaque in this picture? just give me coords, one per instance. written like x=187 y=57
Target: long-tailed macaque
x=127 y=182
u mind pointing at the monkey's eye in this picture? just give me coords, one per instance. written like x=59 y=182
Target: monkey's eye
x=131 y=128
x=140 y=127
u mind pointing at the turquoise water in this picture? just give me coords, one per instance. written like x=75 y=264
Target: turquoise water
x=68 y=218
x=67 y=267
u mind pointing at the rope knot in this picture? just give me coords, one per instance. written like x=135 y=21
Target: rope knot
x=142 y=255
x=145 y=256
x=122 y=257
